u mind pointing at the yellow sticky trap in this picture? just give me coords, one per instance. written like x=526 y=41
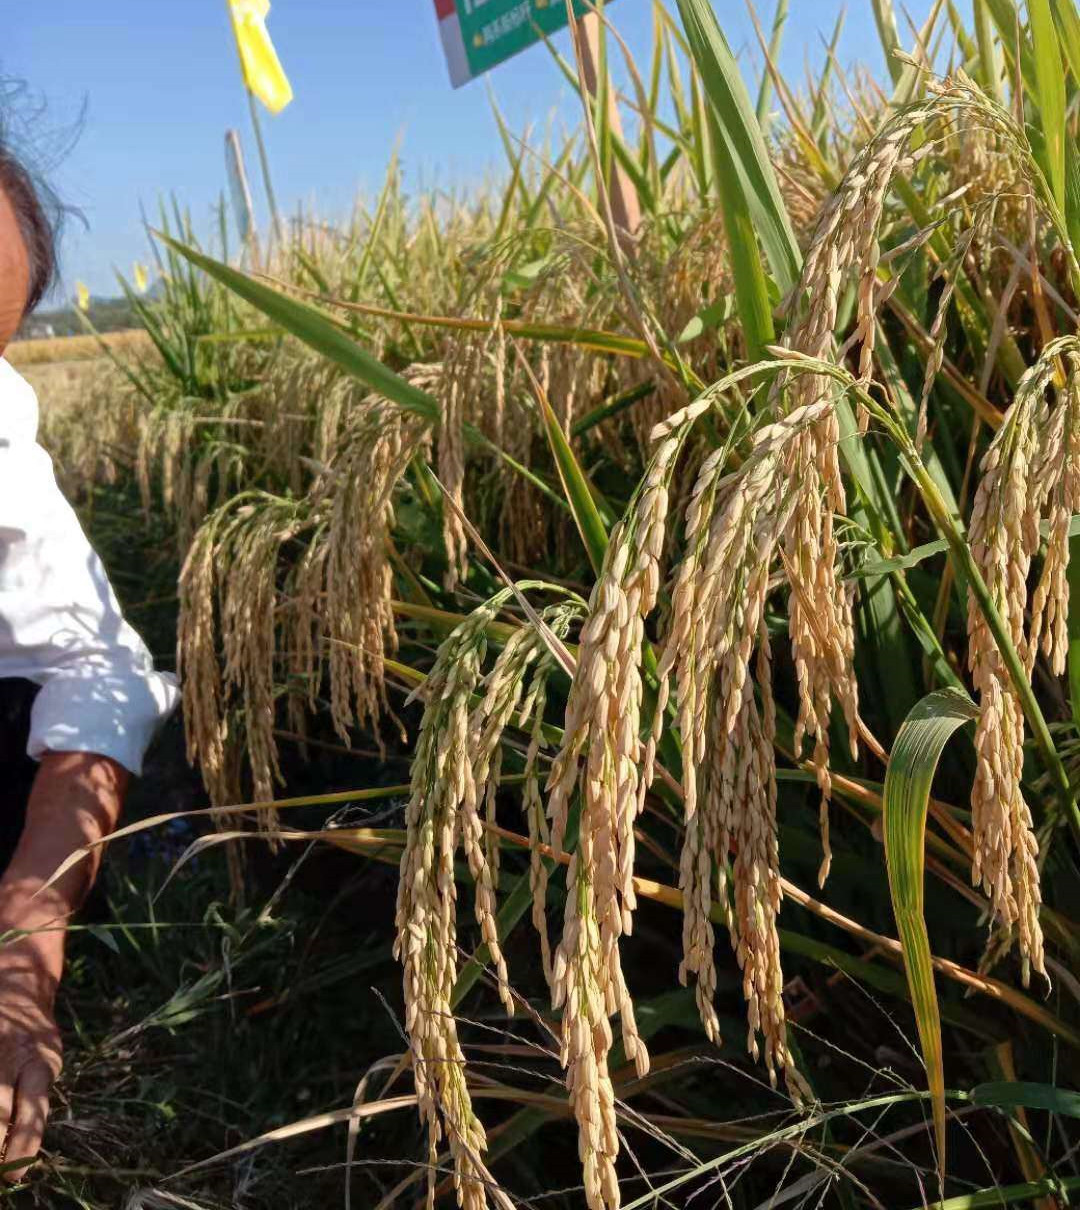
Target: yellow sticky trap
x=141 y=279
x=263 y=73
x=82 y=296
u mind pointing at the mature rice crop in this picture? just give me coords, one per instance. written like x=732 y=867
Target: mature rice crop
x=49 y=350
x=649 y=548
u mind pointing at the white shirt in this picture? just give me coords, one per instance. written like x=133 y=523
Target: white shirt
x=60 y=622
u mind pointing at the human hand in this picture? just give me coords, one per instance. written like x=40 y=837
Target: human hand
x=30 y=1048
x=75 y=801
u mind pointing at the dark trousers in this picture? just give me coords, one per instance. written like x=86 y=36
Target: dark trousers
x=17 y=770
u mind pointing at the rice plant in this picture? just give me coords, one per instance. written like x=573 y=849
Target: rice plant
x=713 y=533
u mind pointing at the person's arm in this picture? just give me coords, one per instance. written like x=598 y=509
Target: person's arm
x=76 y=800
x=99 y=703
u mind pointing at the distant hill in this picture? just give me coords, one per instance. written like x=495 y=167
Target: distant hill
x=106 y=314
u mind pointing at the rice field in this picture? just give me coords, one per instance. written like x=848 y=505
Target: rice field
x=679 y=617
x=24 y=354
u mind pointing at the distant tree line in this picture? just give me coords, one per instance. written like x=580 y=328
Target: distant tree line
x=106 y=315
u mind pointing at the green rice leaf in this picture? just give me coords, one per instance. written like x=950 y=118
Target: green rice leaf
x=919 y=554
x=1005 y=1195
x=579 y=492
x=316 y=330
x=593 y=339
x=822 y=92
x=751 y=287
x=1010 y=29
x=964 y=42
x=885 y=19
x=775 y=39
x=612 y=407
x=989 y=53
x=750 y=200
x=1067 y=23
x=882 y=567
x=1019 y=1094
x=746 y=147
x=912 y=765
x=1050 y=80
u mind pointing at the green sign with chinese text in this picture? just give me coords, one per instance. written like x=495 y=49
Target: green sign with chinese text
x=480 y=34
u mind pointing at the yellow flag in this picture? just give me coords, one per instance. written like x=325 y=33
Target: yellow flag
x=82 y=296
x=263 y=73
x=141 y=280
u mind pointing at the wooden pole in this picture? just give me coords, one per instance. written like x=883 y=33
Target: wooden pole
x=625 y=203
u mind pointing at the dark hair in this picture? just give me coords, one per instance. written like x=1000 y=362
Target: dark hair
x=25 y=124
x=36 y=223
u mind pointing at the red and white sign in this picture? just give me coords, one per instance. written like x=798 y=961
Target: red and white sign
x=453 y=43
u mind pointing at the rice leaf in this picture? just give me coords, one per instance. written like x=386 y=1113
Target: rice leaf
x=308 y=324
x=1067 y=23
x=1004 y=1195
x=1050 y=80
x=968 y=48
x=776 y=37
x=989 y=53
x=912 y=765
x=612 y=407
x=885 y=19
x=910 y=80
x=875 y=510
x=746 y=147
x=576 y=486
x=913 y=558
x=1006 y=17
x=751 y=287
x=1014 y=1094
x=820 y=116
x=594 y=339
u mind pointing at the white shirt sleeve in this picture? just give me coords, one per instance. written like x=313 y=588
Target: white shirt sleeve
x=60 y=622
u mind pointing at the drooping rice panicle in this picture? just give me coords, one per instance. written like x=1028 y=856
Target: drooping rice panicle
x=240 y=608
x=602 y=749
x=442 y=781
x=204 y=712
x=454 y=765
x=514 y=691
x=735 y=527
x=1029 y=467
x=1059 y=470
x=949 y=272
x=357 y=617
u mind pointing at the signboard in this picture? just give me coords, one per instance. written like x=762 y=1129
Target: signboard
x=477 y=35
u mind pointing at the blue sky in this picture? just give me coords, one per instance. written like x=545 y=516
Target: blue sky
x=160 y=83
